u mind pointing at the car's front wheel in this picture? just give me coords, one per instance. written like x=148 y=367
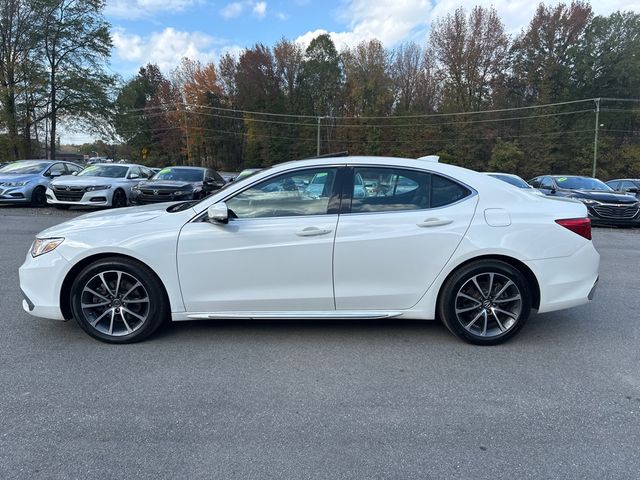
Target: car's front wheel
x=119 y=199
x=485 y=302
x=118 y=300
x=39 y=197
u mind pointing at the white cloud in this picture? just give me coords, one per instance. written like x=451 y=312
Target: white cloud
x=394 y=21
x=260 y=9
x=283 y=16
x=390 y=21
x=167 y=47
x=235 y=9
x=135 y=9
x=232 y=10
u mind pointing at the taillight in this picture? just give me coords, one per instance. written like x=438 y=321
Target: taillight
x=581 y=226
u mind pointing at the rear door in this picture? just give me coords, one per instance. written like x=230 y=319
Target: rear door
x=392 y=241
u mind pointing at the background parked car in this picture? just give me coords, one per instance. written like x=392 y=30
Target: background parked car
x=26 y=181
x=99 y=185
x=626 y=185
x=228 y=176
x=177 y=183
x=246 y=173
x=605 y=206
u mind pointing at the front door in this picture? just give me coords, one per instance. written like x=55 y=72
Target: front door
x=274 y=255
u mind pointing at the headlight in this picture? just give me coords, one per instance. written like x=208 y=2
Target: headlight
x=45 y=245
x=97 y=187
x=15 y=184
x=181 y=192
x=588 y=201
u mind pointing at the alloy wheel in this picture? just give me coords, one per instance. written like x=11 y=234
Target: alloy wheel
x=115 y=303
x=488 y=304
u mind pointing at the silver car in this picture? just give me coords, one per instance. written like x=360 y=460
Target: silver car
x=99 y=185
x=25 y=181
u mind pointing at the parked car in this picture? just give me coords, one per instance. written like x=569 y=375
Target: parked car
x=98 y=185
x=26 y=181
x=626 y=185
x=514 y=180
x=247 y=172
x=177 y=183
x=229 y=176
x=477 y=253
x=605 y=206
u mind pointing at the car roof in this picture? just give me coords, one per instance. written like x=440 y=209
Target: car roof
x=117 y=165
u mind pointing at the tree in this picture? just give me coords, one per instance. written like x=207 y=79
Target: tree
x=471 y=55
x=76 y=43
x=321 y=77
x=505 y=157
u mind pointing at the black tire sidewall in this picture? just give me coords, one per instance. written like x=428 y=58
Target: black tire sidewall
x=121 y=193
x=446 y=305
x=40 y=190
x=158 y=309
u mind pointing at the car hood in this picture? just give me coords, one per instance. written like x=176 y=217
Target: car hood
x=84 y=181
x=166 y=184
x=605 y=197
x=17 y=178
x=109 y=218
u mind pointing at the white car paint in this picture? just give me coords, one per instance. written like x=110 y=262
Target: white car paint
x=373 y=265
x=95 y=198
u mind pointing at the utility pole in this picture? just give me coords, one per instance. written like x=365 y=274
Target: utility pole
x=318 y=142
x=186 y=129
x=595 y=138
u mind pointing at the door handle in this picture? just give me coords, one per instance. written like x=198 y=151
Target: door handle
x=434 y=222
x=312 y=232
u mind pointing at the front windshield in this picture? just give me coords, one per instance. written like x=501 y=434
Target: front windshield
x=180 y=174
x=515 y=181
x=108 y=171
x=24 y=167
x=582 y=183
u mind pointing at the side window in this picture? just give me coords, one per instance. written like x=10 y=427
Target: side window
x=546 y=183
x=534 y=182
x=615 y=185
x=134 y=171
x=626 y=184
x=57 y=169
x=445 y=191
x=304 y=192
x=389 y=189
x=73 y=168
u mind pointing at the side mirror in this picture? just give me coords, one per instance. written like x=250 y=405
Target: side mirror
x=74 y=173
x=54 y=174
x=218 y=213
x=134 y=176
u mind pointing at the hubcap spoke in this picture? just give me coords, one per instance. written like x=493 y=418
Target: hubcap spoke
x=481 y=315
x=106 y=311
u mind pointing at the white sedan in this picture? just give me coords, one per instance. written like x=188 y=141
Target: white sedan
x=433 y=241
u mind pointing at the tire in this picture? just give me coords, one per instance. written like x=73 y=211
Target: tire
x=39 y=197
x=119 y=199
x=485 y=302
x=137 y=304
x=62 y=207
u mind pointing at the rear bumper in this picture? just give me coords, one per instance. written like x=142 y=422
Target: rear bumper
x=567 y=282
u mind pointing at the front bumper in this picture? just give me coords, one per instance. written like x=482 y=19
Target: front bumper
x=614 y=215
x=140 y=198
x=96 y=198
x=40 y=282
x=15 y=194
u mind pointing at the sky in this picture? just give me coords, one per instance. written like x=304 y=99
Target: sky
x=164 y=31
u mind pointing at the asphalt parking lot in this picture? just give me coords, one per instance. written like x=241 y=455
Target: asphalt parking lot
x=343 y=399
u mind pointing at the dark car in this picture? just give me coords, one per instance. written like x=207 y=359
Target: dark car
x=177 y=183
x=626 y=185
x=605 y=206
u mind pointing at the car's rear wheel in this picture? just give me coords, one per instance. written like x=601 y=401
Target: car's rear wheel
x=39 y=197
x=119 y=199
x=118 y=300
x=485 y=302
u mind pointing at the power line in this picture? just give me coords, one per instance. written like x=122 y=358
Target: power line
x=404 y=125
x=425 y=115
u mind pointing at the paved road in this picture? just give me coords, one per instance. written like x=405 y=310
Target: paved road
x=386 y=399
